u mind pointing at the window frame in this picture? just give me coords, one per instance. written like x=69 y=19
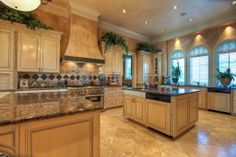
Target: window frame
x=199 y=55
x=226 y=52
x=171 y=63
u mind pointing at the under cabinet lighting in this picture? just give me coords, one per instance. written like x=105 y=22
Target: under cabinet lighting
x=146 y=22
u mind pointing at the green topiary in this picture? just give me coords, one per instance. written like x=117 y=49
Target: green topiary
x=143 y=46
x=110 y=38
x=26 y=18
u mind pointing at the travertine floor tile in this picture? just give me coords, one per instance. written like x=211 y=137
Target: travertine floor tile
x=213 y=136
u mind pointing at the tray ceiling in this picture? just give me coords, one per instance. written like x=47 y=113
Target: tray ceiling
x=159 y=13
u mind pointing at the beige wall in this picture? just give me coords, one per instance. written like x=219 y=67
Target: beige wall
x=209 y=38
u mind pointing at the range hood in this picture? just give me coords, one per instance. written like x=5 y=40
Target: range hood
x=83 y=44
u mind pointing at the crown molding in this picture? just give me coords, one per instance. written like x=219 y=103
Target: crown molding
x=54 y=9
x=229 y=17
x=84 y=11
x=120 y=30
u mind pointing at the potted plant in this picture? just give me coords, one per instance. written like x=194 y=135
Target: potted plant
x=143 y=46
x=225 y=78
x=176 y=73
x=110 y=38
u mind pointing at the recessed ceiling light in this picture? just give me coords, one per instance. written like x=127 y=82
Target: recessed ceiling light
x=175 y=7
x=146 y=22
x=162 y=29
x=234 y=3
x=123 y=11
x=190 y=19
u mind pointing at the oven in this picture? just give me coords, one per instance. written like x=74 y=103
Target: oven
x=97 y=99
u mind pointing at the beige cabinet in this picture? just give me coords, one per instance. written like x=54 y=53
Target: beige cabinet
x=28 y=55
x=6 y=80
x=37 y=53
x=219 y=101
x=145 y=67
x=158 y=115
x=234 y=102
x=114 y=97
x=9 y=140
x=113 y=61
x=6 y=50
x=135 y=108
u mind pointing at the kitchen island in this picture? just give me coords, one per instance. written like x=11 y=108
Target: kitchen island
x=55 y=124
x=171 y=111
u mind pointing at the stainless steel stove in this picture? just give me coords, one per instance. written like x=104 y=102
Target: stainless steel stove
x=95 y=94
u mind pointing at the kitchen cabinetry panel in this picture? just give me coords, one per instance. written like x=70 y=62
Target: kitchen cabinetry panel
x=219 y=102
x=193 y=109
x=28 y=58
x=114 y=97
x=139 y=108
x=50 y=55
x=6 y=80
x=6 y=48
x=181 y=113
x=158 y=115
x=128 y=106
x=9 y=140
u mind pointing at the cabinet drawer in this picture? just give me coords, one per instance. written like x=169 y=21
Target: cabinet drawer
x=120 y=102
x=110 y=103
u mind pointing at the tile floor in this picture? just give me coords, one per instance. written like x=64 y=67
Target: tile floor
x=213 y=136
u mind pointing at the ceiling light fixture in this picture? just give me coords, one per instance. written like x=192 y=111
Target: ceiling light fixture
x=234 y=3
x=175 y=7
x=124 y=11
x=24 y=5
x=146 y=22
x=162 y=29
x=190 y=19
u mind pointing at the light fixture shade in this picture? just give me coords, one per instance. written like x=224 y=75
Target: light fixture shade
x=22 y=5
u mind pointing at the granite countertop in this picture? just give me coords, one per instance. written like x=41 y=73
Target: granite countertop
x=165 y=90
x=19 y=107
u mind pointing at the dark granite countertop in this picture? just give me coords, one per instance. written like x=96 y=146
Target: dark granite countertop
x=19 y=107
x=165 y=90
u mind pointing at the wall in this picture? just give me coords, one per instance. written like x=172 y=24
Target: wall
x=209 y=38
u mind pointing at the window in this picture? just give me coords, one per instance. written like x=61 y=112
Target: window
x=199 y=71
x=227 y=56
x=128 y=67
x=178 y=57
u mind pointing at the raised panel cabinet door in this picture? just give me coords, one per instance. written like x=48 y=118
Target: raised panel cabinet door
x=118 y=62
x=139 y=108
x=108 y=66
x=50 y=55
x=6 y=80
x=28 y=57
x=219 y=102
x=158 y=115
x=6 y=50
x=182 y=110
x=193 y=108
x=128 y=106
x=9 y=140
x=68 y=136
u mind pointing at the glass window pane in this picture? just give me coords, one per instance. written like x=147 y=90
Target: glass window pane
x=182 y=67
x=128 y=68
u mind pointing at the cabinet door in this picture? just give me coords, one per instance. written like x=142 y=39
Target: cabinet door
x=6 y=50
x=139 y=109
x=182 y=110
x=50 y=55
x=128 y=106
x=118 y=62
x=9 y=140
x=193 y=108
x=28 y=57
x=108 y=66
x=219 y=102
x=6 y=80
x=158 y=116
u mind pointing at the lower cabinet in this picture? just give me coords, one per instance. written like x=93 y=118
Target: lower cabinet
x=158 y=115
x=219 y=102
x=72 y=136
x=6 y=80
x=114 y=97
x=135 y=108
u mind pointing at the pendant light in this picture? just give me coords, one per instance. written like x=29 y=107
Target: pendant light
x=24 y=5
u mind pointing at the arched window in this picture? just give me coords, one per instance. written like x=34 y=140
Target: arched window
x=178 y=57
x=199 y=67
x=227 y=56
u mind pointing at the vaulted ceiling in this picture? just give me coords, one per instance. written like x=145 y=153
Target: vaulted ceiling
x=158 y=13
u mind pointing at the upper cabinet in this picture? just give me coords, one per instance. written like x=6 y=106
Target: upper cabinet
x=37 y=53
x=6 y=50
x=113 y=61
x=145 y=67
